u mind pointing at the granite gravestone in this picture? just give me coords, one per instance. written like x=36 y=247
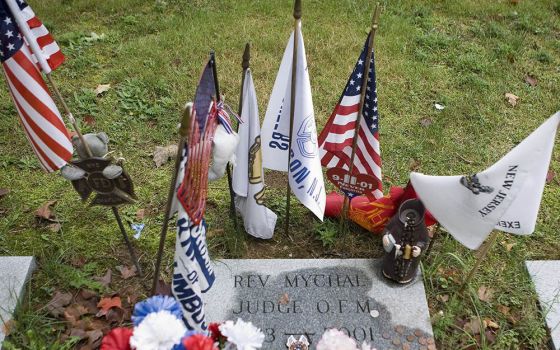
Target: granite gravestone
x=14 y=273
x=306 y=297
x=546 y=277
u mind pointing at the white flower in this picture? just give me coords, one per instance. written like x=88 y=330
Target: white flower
x=242 y=334
x=158 y=331
x=333 y=339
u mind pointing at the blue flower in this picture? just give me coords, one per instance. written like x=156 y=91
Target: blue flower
x=155 y=304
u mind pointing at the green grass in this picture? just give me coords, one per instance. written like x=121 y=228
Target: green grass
x=463 y=54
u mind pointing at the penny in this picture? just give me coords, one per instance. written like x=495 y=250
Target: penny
x=406 y=347
x=422 y=341
x=431 y=347
x=386 y=335
x=399 y=329
x=396 y=341
x=431 y=341
x=418 y=333
x=410 y=337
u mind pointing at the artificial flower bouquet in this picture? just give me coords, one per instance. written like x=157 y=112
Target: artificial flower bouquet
x=158 y=325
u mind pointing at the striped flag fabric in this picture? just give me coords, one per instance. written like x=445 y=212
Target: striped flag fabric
x=38 y=113
x=335 y=141
x=46 y=51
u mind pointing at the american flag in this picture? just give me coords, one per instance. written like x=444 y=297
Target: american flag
x=337 y=137
x=193 y=191
x=39 y=115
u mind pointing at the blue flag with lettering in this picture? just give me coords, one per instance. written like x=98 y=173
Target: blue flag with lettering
x=192 y=271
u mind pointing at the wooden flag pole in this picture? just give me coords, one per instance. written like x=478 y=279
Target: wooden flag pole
x=69 y=115
x=245 y=65
x=183 y=137
x=297 y=21
x=232 y=213
x=374 y=25
x=90 y=154
x=481 y=257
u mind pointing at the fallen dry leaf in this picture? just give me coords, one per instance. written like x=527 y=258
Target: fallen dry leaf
x=485 y=294
x=78 y=261
x=414 y=164
x=512 y=99
x=140 y=213
x=531 y=80
x=163 y=288
x=87 y=294
x=115 y=315
x=443 y=298
x=473 y=326
x=504 y=310
x=74 y=312
x=59 y=300
x=105 y=304
x=127 y=272
x=3 y=192
x=78 y=332
x=491 y=324
x=89 y=120
x=94 y=338
x=163 y=154
x=425 y=122
x=550 y=176
x=106 y=279
x=45 y=212
x=101 y=88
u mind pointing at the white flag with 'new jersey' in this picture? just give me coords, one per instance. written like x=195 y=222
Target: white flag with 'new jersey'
x=305 y=173
x=248 y=175
x=505 y=196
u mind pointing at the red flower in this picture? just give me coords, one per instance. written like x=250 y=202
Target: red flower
x=199 y=342
x=117 y=339
x=214 y=329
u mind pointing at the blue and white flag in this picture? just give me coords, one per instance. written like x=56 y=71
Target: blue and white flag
x=305 y=173
x=192 y=271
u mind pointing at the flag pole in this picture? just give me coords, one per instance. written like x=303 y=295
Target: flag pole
x=245 y=65
x=481 y=257
x=232 y=213
x=69 y=115
x=374 y=25
x=183 y=136
x=435 y=234
x=90 y=155
x=297 y=21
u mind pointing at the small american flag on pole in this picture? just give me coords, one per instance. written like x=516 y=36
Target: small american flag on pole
x=337 y=137
x=20 y=32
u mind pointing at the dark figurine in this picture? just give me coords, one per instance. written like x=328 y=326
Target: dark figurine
x=404 y=240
